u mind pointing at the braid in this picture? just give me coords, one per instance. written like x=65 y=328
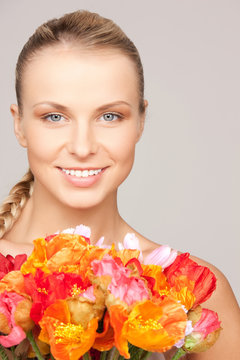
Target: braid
x=12 y=206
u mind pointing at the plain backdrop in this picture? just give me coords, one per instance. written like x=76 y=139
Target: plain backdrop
x=184 y=189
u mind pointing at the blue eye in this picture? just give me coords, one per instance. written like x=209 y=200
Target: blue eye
x=110 y=117
x=53 y=117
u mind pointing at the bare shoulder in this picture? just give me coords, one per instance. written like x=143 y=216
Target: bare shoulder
x=224 y=291
x=222 y=301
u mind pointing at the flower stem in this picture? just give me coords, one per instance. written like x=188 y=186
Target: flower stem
x=103 y=355
x=13 y=353
x=2 y=353
x=179 y=354
x=87 y=356
x=145 y=355
x=34 y=345
x=112 y=353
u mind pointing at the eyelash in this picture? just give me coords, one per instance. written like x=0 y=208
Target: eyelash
x=119 y=116
x=45 y=117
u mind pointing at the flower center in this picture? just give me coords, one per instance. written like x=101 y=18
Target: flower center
x=42 y=290
x=65 y=333
x=149 y=324
x=76 y=290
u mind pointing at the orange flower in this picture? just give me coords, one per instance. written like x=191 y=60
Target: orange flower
x=105 y=340
x=118 y=317
x=127 y=254
x=160 y=280
x=184 y=295
x=151 y=326
x=68 y=341
x=60 y=251
x=182 y=291
x=37 y=259
x=14 y=281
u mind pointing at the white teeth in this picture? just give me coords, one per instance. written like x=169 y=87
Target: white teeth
x=85 y=173
x=81 y=173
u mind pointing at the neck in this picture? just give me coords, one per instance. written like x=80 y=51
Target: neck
x=44 y=215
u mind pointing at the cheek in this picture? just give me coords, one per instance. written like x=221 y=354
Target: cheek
x=123 y=143
x=123 y=151
x=41 y=146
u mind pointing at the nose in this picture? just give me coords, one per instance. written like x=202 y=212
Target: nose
x=82 y=141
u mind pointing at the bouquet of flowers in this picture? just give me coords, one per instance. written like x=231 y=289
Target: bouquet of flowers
x=70 y=300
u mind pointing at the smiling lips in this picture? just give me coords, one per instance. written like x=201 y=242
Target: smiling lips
x=81 y=173
x=82 y=178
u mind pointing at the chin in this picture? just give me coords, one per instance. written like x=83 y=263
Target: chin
x=85 y=201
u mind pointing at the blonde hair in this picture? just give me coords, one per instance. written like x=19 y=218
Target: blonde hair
x=90 y=31
x=13 y=204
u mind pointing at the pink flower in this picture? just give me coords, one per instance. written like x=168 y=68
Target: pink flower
x=163 y=256
x=129 y=289
x=207 y=323
x=8 y=305
x=206 y=329
x=107 y=266
x=123 y=286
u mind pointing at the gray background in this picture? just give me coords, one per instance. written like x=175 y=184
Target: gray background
x=184 y=189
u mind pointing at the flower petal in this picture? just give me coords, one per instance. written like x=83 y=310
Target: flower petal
x=67 y=340
x=163 y=256
x=14 y=338
x=155 y=327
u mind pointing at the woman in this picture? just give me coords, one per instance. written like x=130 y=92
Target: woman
x=80 y=113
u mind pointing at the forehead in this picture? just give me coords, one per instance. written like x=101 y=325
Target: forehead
x=68 y=73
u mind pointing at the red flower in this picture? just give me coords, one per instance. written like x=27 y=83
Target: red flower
x=204 y=281
x=9 y=263
x=46 y=289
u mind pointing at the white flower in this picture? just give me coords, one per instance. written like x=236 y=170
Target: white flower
x=81 y=230
x=163 y=256
x=130 y=241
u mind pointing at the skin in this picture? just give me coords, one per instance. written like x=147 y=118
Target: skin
x=88 y=87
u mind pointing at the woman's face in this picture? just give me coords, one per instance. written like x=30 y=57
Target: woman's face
x=80 y=123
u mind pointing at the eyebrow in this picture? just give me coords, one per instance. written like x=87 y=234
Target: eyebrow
x=65 y=108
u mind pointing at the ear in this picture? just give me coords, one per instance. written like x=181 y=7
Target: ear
x=18 y=128
x=142 y=121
